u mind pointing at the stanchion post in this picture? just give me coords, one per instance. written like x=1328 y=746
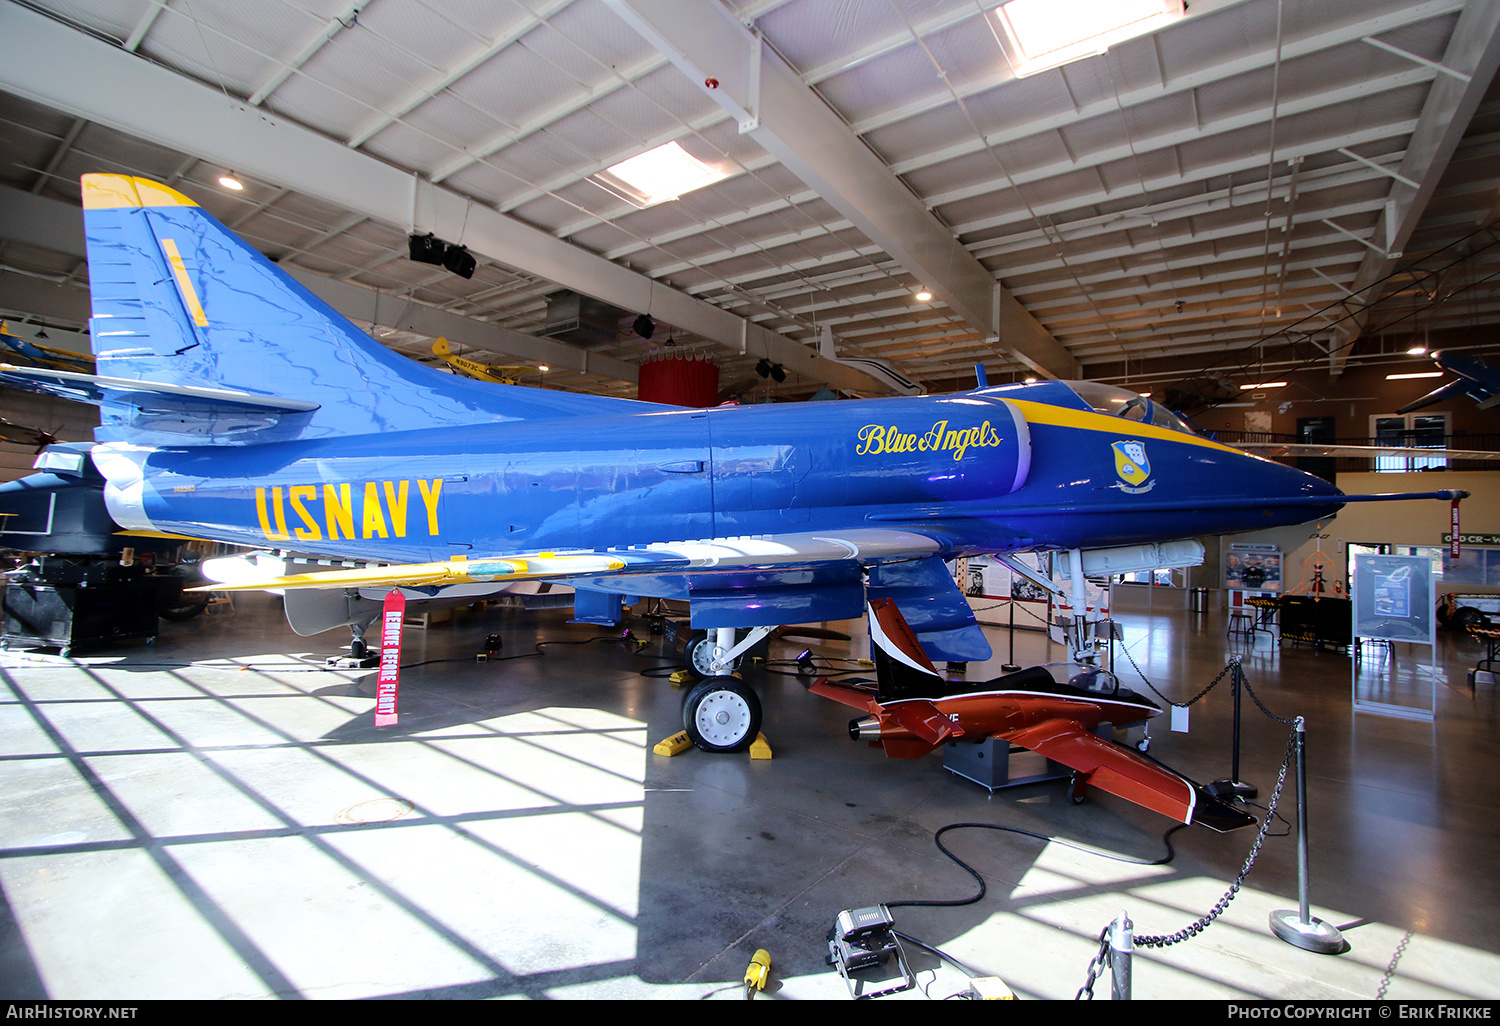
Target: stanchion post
x=1010 y=666
x=1233 y=786
x=1299 y=928
x=1121 y=947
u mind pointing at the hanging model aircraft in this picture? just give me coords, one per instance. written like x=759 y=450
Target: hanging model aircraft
x=914 y=710
x=236 y=406
x=1475 y=378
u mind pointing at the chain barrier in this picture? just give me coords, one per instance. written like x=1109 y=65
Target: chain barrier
x=1096 y=967
x=1233 y=664
x=1195 y=928
x=1181 y=705
x=1261 y=705
x=1100 y=960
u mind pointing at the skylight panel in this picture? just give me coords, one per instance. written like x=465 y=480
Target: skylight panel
x=658 y=175
x=1041 y=34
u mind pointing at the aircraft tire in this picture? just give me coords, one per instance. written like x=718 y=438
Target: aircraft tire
x=721 y=714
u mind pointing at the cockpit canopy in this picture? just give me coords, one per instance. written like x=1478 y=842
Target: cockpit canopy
x=1109 y=400
x=1121 y=402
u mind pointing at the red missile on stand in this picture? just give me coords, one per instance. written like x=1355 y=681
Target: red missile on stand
x=913 y=710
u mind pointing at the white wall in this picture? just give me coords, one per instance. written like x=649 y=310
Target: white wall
x=1414 y=522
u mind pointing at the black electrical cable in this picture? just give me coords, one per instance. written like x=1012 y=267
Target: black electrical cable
x=937 y=839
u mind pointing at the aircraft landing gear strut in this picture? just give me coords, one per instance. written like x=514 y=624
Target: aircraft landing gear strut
x=721 y=713
x=360 y=657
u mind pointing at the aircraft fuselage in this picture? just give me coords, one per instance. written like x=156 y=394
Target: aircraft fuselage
x=983 y=471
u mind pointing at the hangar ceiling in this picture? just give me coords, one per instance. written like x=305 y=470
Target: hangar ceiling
x=1260 y=185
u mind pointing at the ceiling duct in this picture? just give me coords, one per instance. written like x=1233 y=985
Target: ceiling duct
x=581 y=320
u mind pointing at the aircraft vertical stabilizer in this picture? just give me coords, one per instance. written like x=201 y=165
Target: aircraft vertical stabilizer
x=180 y=301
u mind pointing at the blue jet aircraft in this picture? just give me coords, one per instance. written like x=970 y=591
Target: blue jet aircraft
x=1476 y=379
x=238 y=407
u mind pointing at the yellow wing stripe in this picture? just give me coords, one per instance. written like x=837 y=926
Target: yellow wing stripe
x=184 y=283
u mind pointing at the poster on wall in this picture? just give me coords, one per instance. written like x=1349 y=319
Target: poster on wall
x=1252 y=567
x=988 y=578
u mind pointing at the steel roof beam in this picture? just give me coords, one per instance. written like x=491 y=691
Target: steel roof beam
x=53 y=64
x=1473 y=50
x=1114 y=105
x=782 y=114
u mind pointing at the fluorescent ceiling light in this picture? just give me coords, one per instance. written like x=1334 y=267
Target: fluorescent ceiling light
x=1423 y=374
x=657 y=175
x=1264 y=384
x=1041 y=34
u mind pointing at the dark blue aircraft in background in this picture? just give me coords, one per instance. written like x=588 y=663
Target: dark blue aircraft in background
x=238 y=407
x=1476 y=379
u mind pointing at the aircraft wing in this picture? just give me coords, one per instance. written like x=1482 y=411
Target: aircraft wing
x=725 y=555
x=1118 y=770
x=1448 y=390
x=1313 y=449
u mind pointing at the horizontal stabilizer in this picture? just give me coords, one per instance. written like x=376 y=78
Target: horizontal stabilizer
x=148 y=396
x=855 y=698
x=923 y=720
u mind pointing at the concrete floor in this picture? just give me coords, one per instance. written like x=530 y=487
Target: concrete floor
x=215 y=816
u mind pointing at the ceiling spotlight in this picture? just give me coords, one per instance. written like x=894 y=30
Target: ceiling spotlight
x=763 y=368
x=923 y=296
x=778 y=373
x=644 y=326
x=231 y=182
x=1031 y=381
x=1417 y=351
x=543 y=368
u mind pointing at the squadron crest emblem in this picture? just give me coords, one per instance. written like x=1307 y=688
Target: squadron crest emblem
x=1133 y=466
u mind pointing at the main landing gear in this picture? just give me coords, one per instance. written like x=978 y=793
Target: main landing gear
x=721 y=713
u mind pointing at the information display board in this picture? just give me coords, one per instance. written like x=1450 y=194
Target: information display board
x=1393 y=601
x=1393 y=598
